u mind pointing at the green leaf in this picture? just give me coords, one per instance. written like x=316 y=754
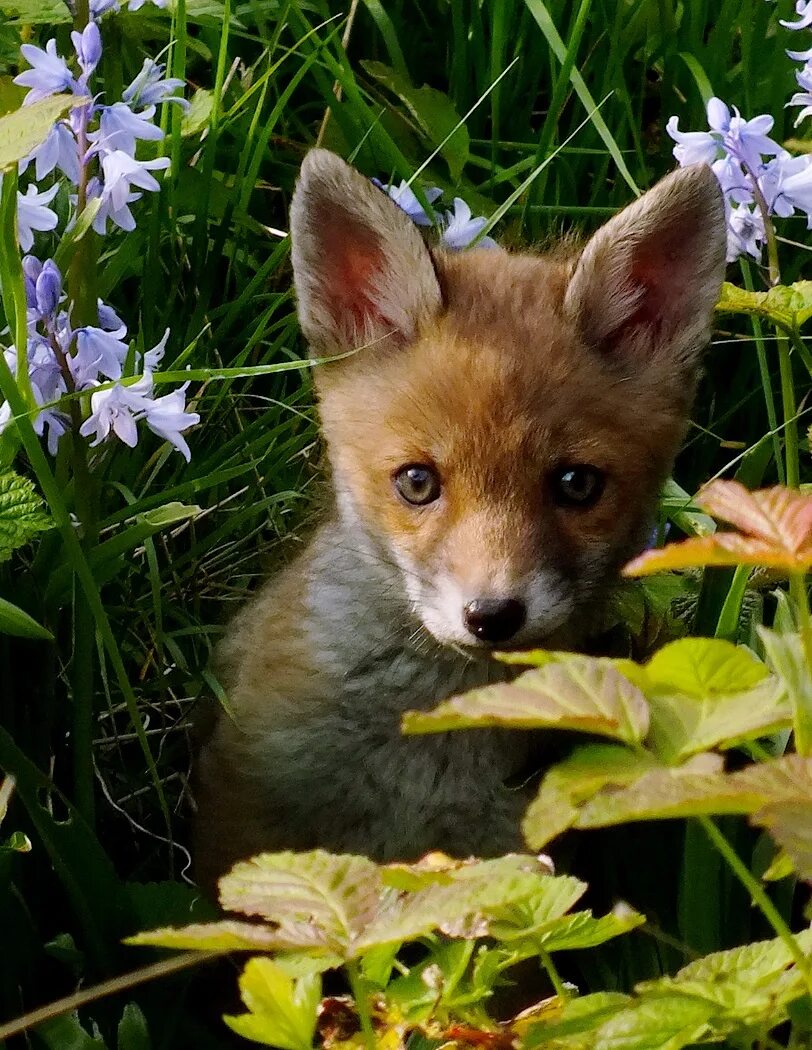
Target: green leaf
x=790 y=824
x=550 y=901
x=36 y=12
x=282 y=1011
x=132 y=1029
x=228 y=935
x=66 y=1033
x=17 y=622
x=583 y=930
x=22 y=513
x=692 y=790
x=666 y=1023
x=786 y=655
x=576 y=1017
x=314 y=899
x=198 y=115
x=26 y=128
x=579 y=693
x=703 y=667
x=17 y=842
x=461 y=907
x=433 y=111
x=786 y=305
x=574 y=780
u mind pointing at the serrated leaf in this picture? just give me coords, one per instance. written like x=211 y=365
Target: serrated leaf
x=576 y=1017
x=462 y=907
x=22 y=513
x=664 y=794
x=583 y=930
x=228 y=935
x=580 y=693
x=790 y=824
x=786 y=654
x=550 y=901
x=26 y=128
x=433 y=111
x=282 y=1011
x=311 y=898
x=786 y=305
x=702 y=667
x=666 y=1023
x=574 y=780
x=775 y=531
x=17 y=622
x=133 y=1033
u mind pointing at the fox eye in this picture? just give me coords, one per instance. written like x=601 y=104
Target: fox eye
x=417 y=484
x=578 y=485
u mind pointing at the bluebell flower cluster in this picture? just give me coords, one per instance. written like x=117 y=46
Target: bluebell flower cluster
x=759 y=178
x=93 y=150
x=457 y=226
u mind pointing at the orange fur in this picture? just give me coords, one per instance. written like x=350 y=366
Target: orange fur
x=495 y=371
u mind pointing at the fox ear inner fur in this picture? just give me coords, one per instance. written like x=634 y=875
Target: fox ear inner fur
x=646 y=283
x=361 y=270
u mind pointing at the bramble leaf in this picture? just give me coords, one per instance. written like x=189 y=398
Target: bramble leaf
x=22 y=513
x=666 y=1023
x=576 y=693
x=786 y=305
x=282 y=1012
x=790 y=824
x=702 y=667
x=775 y=530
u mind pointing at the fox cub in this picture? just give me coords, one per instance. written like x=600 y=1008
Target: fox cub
x=497 y=444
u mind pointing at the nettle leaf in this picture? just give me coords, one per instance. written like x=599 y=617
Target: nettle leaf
x=578 y=693
x=433 y=111
x=22 y=513
x=26 y=128
x=574 y=780
x=775 y=530
x=282 y=1011
x=788 y=306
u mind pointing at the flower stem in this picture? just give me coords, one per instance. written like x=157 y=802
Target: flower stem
x=553 y=974
x=803 y=714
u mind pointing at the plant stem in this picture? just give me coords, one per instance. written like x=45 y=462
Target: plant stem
x=759 y=897
x=553 y=974
x=360 y=995
x=803 y=714
x=766 y=381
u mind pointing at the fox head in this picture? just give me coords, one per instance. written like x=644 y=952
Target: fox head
x=501 y=433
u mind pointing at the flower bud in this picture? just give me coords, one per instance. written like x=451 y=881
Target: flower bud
x=48 y=289
x=32 y=268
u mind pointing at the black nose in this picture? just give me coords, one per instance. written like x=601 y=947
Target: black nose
x=494 y=619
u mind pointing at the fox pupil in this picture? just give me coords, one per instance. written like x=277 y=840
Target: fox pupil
x=417 y=484
x=579 y=485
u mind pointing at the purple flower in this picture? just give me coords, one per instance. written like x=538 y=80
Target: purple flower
x=101 y=7
x=32 y=214
x=803 y=98
x=459 y=228
x=803 y=8
x=119 y=128
x=88 y=47
x=405 y=198
x=746 y=140
x=693 y=147
x=98 y=352
x=745 y=232
x=48 y=289
x=149 y=89
x=49 y=73
x=59 y=150
x=116 y=411
x=121 y=173
x=167 y=417
x=32 y=268
x=109 y=319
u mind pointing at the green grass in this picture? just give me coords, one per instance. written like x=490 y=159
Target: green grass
x=583 y=106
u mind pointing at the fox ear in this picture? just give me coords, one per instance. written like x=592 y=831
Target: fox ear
x=645 y=285
x=361 y=270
